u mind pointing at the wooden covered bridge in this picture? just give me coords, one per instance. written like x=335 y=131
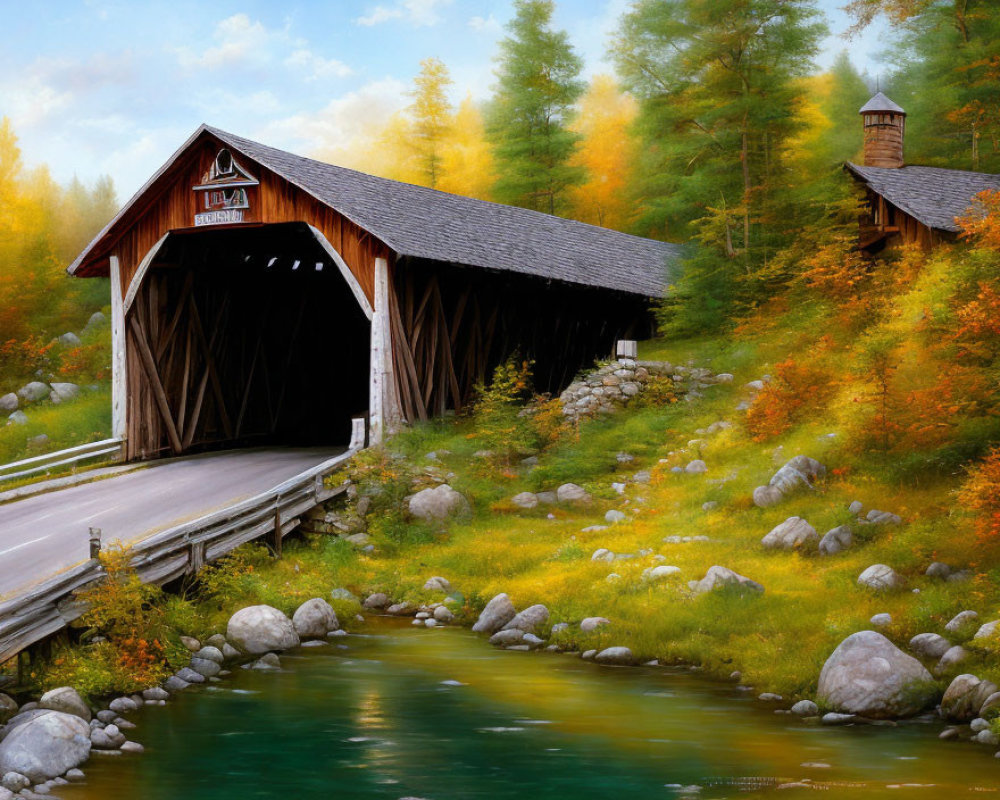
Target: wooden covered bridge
x=261 y=297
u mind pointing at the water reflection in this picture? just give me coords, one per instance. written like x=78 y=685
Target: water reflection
x=438 y=714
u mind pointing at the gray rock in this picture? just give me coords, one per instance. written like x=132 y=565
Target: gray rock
x=929 y=645
x=881 y=620
x=45 y=746
x=615 y=655
x=805 y=708
x=938 y=569
x=403 y=609
x=593 y=623
x=507 y=637
x=836 y=540
x=15 y=782
x=443 y=614
x=437 y=584
x=987 y=737
x=175 y=684
x=833 y=718
x=70 y=339
x=952 y=658
x=660 y=572
x=259 y=629
x=156 y=693
x=344 y=594
x=964 y=698
x=438 y=503
x=877 y=517
x=572 y=493
x=792 y=534
x=961 y=620
x=65 y=391
x=614 y=515
x=869 y=676
x=881 y=578
x=8 y=402
x=724 y=578
x=987 y=630
x=378 y=600
x=8 y=708
x=191 y=643
x=314 y=619
x=123 y=705
x=267 y=661
x=534 y=642
x=97 y=320
x=696 y=467
x=990 y=704
x=498 y=612
x=67 y=700
x=588 y=655
x=132 y=747
x=643 y=476
x=33 y=392
x=547 y=498
x=205 y=668
x=17 y=418
x=229 y=652
x=602 y=554
x=210 y=653
x=767 y=496
x=525 y=500
x=530 y=619
x=770 y=697
x=856 y=507
x=188 y=675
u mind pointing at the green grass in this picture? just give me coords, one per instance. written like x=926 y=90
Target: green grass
x=84 y=419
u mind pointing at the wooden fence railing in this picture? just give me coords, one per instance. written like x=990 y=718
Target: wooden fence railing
x=60 y=458
x=48 y=607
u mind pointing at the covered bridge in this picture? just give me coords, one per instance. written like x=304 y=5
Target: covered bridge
x=259 y=297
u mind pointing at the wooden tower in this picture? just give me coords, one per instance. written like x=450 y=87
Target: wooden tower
x=884 y=127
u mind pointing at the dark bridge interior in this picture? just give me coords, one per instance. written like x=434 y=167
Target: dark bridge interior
x=255 y=338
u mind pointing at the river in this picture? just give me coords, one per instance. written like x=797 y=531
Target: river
x=399 y=712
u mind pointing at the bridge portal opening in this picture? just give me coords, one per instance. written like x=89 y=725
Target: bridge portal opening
x=243 y=337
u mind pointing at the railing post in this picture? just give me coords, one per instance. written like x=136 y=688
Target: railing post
x=95 y=543
x=277 y=531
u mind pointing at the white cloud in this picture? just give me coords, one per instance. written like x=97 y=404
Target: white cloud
x=342 y=125
x=418 y=13
x=488 y=24
x=238 y=40
x=313 y=67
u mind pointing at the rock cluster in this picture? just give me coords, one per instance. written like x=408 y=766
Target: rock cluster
x=796 y=473
x=612 y=385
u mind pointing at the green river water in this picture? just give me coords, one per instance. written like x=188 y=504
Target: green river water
x=400 y=712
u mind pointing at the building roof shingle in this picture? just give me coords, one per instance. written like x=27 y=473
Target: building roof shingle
x=424 y=223
x=879 y=102
x=931 y=195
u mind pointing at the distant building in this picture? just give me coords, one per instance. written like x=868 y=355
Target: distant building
x=907 y=203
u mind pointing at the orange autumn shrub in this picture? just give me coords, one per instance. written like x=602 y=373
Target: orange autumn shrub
x=835 y=270
x=795 y=390
x=978 y=333
x=981 y=495
x=982 y=223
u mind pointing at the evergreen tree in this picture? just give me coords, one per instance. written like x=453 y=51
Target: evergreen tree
x=432 y=116
x=719 y=86
x=538 y=84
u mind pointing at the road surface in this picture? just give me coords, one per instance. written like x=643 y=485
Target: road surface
x=42 y=535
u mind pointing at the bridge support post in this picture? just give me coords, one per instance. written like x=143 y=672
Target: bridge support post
x=277 y=532
x=95 y=542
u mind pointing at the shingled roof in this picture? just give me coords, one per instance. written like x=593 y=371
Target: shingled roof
x=931 y=195
x=879 y=102
x=418 y=222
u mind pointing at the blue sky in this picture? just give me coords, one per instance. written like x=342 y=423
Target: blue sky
x=115 y=86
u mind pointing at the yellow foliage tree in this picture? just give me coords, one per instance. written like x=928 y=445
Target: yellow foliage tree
x=607 y=152
x=431 y=117
x=467 y=160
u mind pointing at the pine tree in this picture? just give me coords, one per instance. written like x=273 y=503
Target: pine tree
x=432 y=117
x=719 y=86
x=538 y=84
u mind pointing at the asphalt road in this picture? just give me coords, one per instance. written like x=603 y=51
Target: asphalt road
x=42 y=535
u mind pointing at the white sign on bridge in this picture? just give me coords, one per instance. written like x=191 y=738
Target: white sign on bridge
x=226 y=217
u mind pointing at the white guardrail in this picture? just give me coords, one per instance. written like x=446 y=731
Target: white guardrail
x=60 y=458
x=46 y=608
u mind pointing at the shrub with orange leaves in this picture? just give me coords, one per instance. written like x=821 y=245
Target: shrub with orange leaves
x=795 y=390
x=978 y=334
x=981 y=495
x=982 y=224
x=836 y=270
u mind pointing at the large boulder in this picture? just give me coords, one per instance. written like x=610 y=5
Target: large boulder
x=64 y=391
x=33 y=392
x=70 y=339
x=45 y=745
x=929 y=645
x=965 y=697
x=525 y=500
x=498 y=612
x=880 y=578
x=67 y=700
x=529 y=619
x=869 y=676
x=314 y=619
x=260 y=629
x=17 y=418
x=724 y=578
x=438 y=503
x=572 y=493
x=620 y=656
x=8 y=402
x=792 y=534
x=836 y=540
